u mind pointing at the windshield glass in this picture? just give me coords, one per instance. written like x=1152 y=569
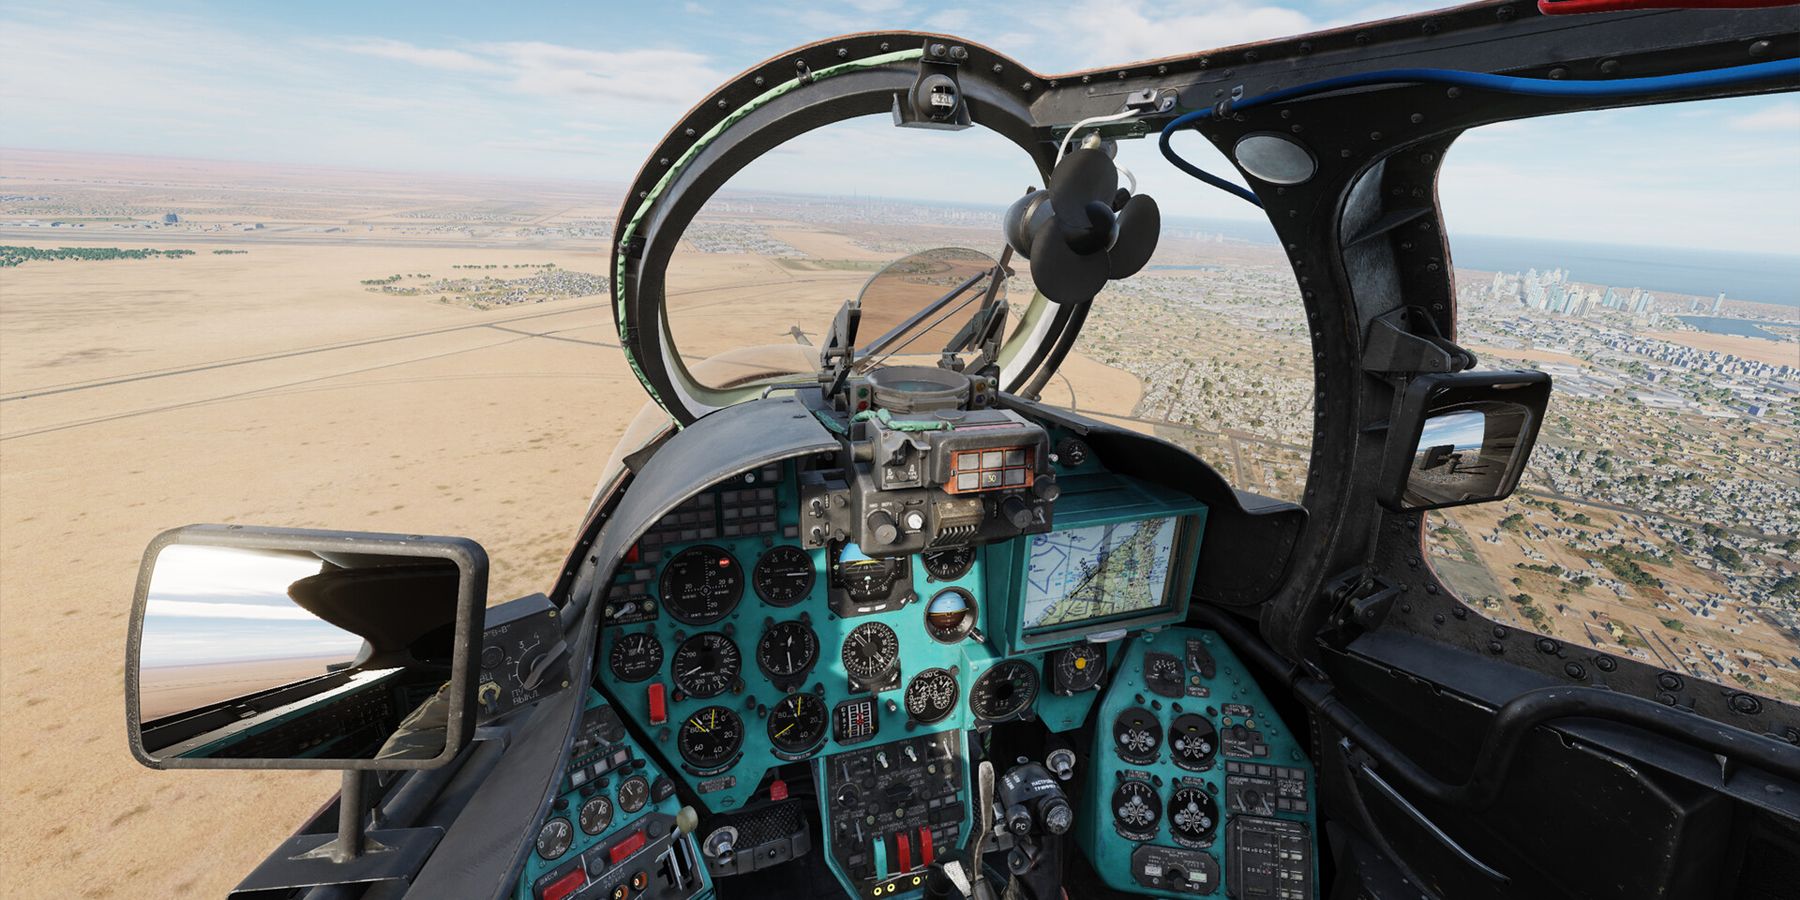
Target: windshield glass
x=914 y=309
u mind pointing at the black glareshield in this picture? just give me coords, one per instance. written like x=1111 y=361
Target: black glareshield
x=1461 y=438
x=280 y=648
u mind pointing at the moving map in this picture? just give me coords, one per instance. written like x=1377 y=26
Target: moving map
x=1098 y=571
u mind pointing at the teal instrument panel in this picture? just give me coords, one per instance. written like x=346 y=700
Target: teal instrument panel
x=1195 y=787
x=611 y=832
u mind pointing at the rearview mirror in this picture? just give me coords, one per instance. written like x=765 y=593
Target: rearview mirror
x=293 y=649
x=1462 y=438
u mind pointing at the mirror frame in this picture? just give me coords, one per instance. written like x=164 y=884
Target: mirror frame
x=471 y=609
x=1527 y=387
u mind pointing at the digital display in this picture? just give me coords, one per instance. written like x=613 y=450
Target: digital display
x=1094 y=572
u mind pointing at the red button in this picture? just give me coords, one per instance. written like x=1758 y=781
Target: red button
x=566 y=885
x=778 y=790
x=659 y=703
x=903 y=852
x=925 y=853
x=626 y=847
x=631 y=556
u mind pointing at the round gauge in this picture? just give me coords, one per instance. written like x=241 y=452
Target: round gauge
x=1193 y=816
x=554 y=838
x=796 y=725
x=1078 y=668
x=596 y=814
x=706 y=665
x=950 y=615
x=931 y=695
x=787 y=649
x=1137 y=736
x=871 y=650
x=950 y=563
x=702 y=585
x=1163 y=674
x=635 y=657
x=1192 y=742
x=709 y=738
x=863 y=577
x=634 y=792
x=1004 y=691
x=783 y=576
x=1136 y=810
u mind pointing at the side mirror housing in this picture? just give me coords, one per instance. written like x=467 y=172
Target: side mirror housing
x=283 y=648
x=1461 y=438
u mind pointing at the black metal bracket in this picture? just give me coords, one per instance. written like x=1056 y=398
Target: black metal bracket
x=936 y=98
x=1405 y=341
x=353 y=855
x=1361 y=599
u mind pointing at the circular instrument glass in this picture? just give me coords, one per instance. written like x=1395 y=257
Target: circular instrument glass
x=709 y=738
x=554 y=838
x=1163 y=674
x=1078 y=667
x=634 y=792
x=787 y=649
x=596 y=814
x=635 y=657
x=950 y=615
x=702 y=585
x=1137 y=735
x=1193 y=816
x=950 y=563
x=866 y=578
x=871 y=650
x=1136 y=810
x=706 y=665
x=797 y=725
x=1004 y=691
x=931 y=695
x=783 y=576
x=1192 y=741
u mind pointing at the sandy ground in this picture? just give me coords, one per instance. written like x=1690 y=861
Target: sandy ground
x=489 y=424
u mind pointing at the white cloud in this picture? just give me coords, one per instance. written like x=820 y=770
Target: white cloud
x=1132 y=30
x=429 y=57
x=1783 y=117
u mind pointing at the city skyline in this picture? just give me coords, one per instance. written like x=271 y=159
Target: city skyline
x=560 y=92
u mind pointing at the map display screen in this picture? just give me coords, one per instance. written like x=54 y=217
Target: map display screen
x=1098 y=571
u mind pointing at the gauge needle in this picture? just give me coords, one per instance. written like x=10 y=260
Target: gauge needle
x=790 y=725
x=696 y=724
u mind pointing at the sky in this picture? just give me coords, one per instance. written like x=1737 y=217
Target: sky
x=583 y=91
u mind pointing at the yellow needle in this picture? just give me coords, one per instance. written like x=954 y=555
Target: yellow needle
x=712 y=720
x=696 y=724
x=785 y=730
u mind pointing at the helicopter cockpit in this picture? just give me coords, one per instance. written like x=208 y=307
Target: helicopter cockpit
x=860 y=614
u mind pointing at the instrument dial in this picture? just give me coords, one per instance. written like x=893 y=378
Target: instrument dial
x=706 y=665
x=866 y=578
x=635 y=657
x=950 y=563
x=787 y=650
x=702 y=585
x=634 y=792
x=1192 y=742
x=596 y=814
x=709 y=738
x=783 y=576
x=1163 y=674
x=871 y=650
x=1077 y=668
x=554 y=838
x=1136 y=810
x=931 y=695
x=1004 y=691
x=1137 y=736
x=1193 y=816
x=797 y=725
x=950 y=615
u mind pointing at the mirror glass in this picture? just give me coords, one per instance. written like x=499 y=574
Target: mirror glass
x=1465 y=453
x=258 y=654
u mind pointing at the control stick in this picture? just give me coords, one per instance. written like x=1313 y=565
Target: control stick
x=1030 y=795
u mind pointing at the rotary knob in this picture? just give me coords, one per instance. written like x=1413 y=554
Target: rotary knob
x=882 y=527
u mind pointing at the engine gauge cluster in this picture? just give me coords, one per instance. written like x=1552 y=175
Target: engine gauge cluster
x=796 y=725
x=1136 y=810
x=710 y=738
x=931 y=695
x=787 y=651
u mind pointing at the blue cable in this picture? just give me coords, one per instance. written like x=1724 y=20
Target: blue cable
x=1508 y=84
